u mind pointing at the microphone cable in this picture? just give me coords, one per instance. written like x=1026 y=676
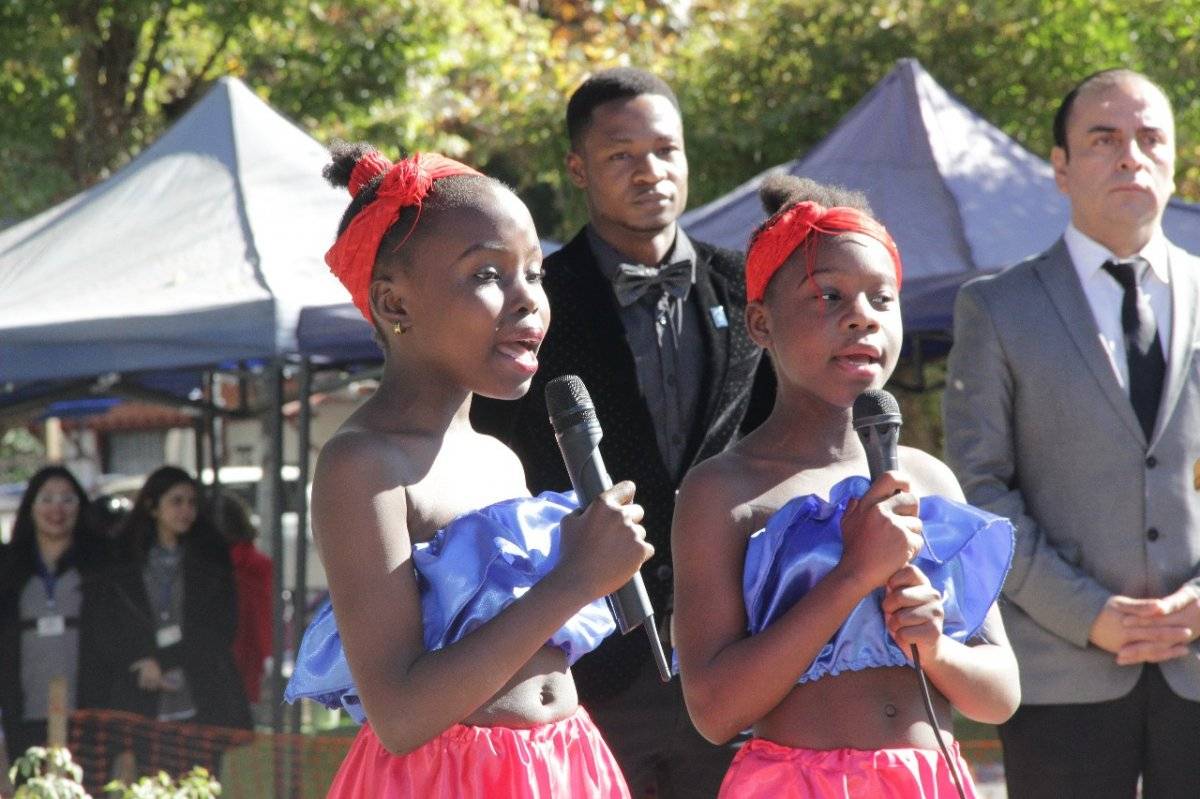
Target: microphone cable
x=937 y=731
x=876 y=420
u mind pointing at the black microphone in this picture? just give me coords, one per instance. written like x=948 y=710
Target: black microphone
x=877 y=422
x=577 y=430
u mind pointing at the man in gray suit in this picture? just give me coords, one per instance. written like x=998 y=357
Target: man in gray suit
x=1073 y=408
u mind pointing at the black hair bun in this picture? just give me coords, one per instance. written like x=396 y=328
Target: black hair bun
x=782 y=190
x=345 y=155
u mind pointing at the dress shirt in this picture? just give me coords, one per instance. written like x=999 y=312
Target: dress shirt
x=668 y=347
x=1105 y=295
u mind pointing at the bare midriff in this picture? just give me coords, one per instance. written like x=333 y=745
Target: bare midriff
x=542 y=692
x=871 y=709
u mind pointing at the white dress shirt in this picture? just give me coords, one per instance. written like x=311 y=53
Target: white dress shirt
x=1105 y=295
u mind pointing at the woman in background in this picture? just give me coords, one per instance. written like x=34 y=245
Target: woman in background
x=55 y=610
x=181 y=607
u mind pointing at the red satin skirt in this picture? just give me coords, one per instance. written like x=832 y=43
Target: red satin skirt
x=764 y=769
x=566 y=759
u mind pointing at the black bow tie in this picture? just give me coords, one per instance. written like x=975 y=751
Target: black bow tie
x=634 y=280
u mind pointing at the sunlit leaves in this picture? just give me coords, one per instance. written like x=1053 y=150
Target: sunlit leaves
x=760 y=81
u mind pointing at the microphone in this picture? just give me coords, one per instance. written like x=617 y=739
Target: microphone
x=877 y=422
x=577 y=430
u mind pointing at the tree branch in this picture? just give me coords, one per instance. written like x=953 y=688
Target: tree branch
x=197 y=79
x=150 y=62
x=87 y=70
x=216 y=52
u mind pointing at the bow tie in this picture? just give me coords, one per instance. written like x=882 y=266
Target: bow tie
x=633 y=281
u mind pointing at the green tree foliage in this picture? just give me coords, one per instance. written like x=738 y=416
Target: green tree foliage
x=86 y=84
x=772 y=77
x=482 y=80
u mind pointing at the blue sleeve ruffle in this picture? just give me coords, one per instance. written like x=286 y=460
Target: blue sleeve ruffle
x=467 y=573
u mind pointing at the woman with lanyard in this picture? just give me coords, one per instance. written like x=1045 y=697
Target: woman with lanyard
x=181 y=609
x=55 y=610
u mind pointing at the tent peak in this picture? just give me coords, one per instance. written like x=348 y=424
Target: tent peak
x=202 y=249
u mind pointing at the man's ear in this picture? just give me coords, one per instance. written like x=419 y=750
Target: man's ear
x=576 y=170
x=387 y=301
x=1058 y=159
x=758 y=324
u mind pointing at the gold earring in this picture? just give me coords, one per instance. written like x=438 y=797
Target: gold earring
x=399 y=331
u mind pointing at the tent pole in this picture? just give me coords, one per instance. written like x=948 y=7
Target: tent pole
x=243 y=389
x=198 y=426
x=919 y=361
x=214 y=449
x=300 y=590
x=272 y=461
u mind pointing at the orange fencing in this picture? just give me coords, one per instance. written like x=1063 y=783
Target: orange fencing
x=261 y=765
x=250 y=765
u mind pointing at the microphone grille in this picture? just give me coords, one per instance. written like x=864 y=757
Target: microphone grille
x=565 y=392
x=568 y=402
x=875 y=402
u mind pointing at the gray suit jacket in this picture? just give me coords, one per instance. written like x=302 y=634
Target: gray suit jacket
x=1039 y=430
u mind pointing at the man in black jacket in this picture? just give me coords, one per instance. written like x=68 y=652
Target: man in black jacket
x=652 y=322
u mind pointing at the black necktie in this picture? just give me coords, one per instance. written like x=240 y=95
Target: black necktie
x=634 y=280
x=1143 y=349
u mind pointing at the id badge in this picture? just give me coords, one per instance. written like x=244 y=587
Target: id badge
x=49 y=626
x=166 y=636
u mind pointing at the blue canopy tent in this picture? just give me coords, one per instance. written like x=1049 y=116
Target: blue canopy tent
x=960 y=197
x=201 y=250
x=196 y=256
x=336 y=334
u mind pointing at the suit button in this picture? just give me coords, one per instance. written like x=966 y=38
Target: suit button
x=663 y=572
x=1152 y=534
x=1151 y=462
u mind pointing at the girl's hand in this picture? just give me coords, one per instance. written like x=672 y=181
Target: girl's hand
x=605 y=545
x=149 y=674
x=880 y=532
x=913 y=612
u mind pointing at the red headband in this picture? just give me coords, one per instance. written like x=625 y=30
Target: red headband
x=406 y=183
x=775 y=243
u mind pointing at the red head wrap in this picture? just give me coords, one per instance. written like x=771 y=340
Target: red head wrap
x=406 y=183
x=775 y=243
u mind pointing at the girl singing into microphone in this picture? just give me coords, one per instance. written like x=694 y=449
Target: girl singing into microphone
x=800 y=586
x=457 y=606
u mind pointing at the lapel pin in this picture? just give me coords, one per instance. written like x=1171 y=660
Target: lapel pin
x=719 y=320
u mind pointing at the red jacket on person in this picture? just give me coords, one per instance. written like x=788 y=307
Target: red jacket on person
x=252 y=571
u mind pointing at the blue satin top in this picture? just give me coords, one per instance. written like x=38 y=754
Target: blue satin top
x=966 y=556
x=467 y=573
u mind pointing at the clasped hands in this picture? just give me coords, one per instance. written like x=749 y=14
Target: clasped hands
x=1148 y=630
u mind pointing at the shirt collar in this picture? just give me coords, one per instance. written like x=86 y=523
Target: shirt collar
x=609 y=259
x=1089 y=255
